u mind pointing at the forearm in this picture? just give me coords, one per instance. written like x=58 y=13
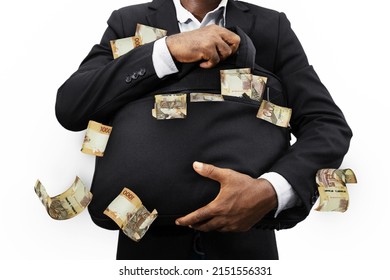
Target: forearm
x=102 y=85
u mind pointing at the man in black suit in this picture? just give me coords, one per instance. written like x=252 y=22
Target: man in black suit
x=251 y=181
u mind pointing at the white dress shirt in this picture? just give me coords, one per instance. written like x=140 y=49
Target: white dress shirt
x=164 y=65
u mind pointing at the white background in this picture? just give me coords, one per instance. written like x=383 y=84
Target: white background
x=42 y=44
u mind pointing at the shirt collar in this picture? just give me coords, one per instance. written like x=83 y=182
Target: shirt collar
x=184 y=16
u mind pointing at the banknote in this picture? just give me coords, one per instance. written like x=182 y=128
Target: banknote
x=149 y=34
x=139 y=223
x=274 y=114
x=205 y=97
x=122 y=46
x=170 y=106
x=67 y=204
x=332 y=189
x=258 y=87
x=96 y=138
x=144 y=34
x=235 y=71
x=127 y=211
x=236 y=82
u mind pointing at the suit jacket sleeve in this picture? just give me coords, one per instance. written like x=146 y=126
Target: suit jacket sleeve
x=322 y=132
x=101 y=84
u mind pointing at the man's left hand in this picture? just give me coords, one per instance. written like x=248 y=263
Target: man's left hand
x=241 y=203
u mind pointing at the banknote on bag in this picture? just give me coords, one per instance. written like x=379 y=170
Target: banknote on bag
x=67 y=204
x=96 y=138
x=127 y=211
x=241 y=83
x=205 y=97
x=332 y=189
x=274 y=114
x=170 y=106
x=258 y=87
x=236 y=82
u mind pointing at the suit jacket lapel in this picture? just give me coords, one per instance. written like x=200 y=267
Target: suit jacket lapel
x=237 y=15
x=163 y=15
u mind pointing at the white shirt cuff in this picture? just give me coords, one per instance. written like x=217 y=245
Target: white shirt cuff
x=287 y=197
x=162 y=60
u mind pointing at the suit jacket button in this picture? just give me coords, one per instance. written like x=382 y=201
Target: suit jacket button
x=128 y=79
x=142 y=72
x=134 y=76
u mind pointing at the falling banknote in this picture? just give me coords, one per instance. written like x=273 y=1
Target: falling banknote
x=144 y=34
x=332 y=189
x=66 y=205
x=127 y=211
x=274 y=114
x=96 y=138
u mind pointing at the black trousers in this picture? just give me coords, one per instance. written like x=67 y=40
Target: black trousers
x=178 y=243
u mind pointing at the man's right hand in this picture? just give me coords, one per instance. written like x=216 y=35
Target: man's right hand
x=210 y=45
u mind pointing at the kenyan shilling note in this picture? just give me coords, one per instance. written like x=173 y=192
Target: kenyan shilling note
x=127 y=211
x=332 y=189
x=170 y=106
x=122 y=46
x=149 y=34
x=139 y=223
x=205 y=97
x=258 y=87
x=274 y=114
x=236 y=82
x=67 y=204
x=96 y=138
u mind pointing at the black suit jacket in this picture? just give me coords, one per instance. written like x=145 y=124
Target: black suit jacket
x=154 y=158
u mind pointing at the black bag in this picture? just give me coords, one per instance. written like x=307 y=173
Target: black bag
x=154 y=158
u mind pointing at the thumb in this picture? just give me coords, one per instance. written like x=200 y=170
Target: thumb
x=210 y=171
